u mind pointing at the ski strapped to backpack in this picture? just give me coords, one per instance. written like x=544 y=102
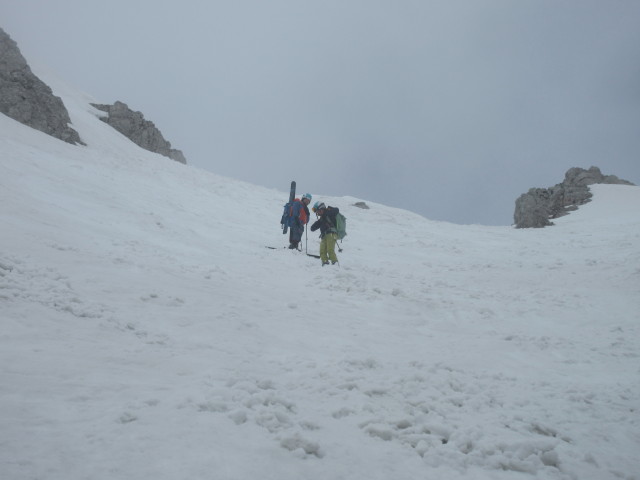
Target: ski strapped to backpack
x=284 y=221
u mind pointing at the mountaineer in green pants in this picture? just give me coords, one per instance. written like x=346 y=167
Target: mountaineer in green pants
x=327 y=224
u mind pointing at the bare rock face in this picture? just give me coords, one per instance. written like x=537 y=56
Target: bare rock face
x=140 y=131
x=538 y=206
x=27 y=99
x=532 y=209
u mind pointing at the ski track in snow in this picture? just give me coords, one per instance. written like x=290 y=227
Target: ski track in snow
x=147 y=332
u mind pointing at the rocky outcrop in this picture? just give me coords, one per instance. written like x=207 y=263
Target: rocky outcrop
x=27 y=99
x=140 y=131
x=538 y=206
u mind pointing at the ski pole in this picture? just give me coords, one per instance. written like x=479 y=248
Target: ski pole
x=336 y=240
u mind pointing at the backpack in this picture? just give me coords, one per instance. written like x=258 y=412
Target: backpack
x=292 y=210
x=286 y=217
x=341 y=226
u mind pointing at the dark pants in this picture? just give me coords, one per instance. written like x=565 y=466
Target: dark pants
x=295 y=234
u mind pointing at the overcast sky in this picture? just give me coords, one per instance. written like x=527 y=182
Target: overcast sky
x=448 y=108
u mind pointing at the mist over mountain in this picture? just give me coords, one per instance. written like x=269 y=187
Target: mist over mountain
x=448 y=109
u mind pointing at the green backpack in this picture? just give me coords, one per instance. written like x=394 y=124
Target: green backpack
x=341 y=226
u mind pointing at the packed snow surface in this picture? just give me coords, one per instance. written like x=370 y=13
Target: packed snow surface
x=147 y=333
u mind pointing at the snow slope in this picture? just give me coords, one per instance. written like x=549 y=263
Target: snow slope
x=147 y=333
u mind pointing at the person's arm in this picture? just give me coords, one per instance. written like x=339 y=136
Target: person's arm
x=316 y=225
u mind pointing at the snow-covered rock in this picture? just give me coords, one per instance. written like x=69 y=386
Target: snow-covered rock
x=538 y=206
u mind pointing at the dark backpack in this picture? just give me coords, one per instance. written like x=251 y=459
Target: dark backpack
x=286 y=217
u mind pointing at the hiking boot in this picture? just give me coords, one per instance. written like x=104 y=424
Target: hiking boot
x=325 y=263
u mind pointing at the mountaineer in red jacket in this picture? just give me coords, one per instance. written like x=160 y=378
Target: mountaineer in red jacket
x=297 y=219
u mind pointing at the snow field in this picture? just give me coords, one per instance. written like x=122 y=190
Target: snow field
x=148 y=332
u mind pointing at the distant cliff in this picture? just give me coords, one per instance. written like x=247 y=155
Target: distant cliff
x=27 y=99
x=140 y=131
x=538 y=206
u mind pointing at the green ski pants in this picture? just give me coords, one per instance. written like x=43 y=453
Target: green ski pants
x=328 y=248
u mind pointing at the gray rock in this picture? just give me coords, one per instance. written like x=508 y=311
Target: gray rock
x=581 y=177
x=538 y=206
x=362 y=205
x=140 y=131
x=533 y=209
x=27 y=99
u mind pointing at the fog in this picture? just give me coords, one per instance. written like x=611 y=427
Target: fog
x=451 y=109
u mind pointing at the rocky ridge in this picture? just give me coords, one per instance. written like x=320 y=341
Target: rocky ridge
x=27 y=99
x=140 y=131
x=538 y=206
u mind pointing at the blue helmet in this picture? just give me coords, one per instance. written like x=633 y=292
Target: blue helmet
x=307 y=196
x=318 y=206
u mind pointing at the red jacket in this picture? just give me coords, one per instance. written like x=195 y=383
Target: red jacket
x=299 y=211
